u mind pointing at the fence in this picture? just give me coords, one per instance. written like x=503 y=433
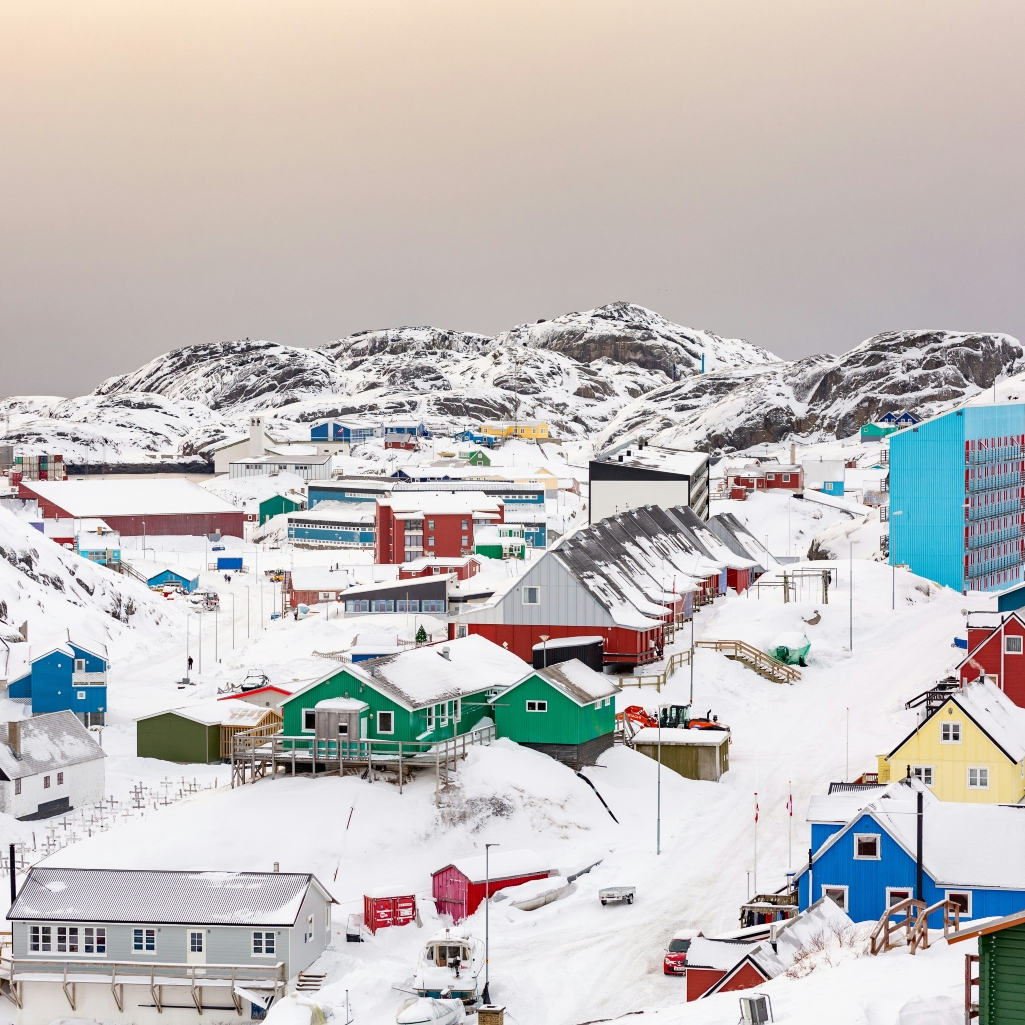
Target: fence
x=761 y=662
x=657 y=680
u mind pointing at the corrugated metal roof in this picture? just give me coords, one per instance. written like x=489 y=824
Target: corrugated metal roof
x=163 y=898
x=49 y=742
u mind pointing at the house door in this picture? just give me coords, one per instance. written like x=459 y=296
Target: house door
x=196 y=953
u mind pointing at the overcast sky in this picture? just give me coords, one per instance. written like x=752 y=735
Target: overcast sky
x=800 y=174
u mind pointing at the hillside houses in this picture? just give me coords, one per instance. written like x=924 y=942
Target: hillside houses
x=62 y=672
x=996 y=652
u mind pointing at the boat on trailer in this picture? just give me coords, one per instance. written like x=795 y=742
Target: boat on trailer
x=450 y=965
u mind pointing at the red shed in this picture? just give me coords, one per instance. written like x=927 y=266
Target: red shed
x=381 y=908
x=717 y=966
x=459 y=888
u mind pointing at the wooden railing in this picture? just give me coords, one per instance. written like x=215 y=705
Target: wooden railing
x=920 y=930
x=755 y=659
x=657 y=680
x=228 y=733
x=881 y=938
x=269 y=979
x=971 y=1007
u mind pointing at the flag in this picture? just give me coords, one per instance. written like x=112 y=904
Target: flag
x=756 y=807
x=790 y=805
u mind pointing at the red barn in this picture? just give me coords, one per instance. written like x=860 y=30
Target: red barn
x=459 y=888
x=722 y=966
x=996 y=650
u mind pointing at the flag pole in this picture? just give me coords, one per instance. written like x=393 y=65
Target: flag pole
x=790 y=829
x=756 y=847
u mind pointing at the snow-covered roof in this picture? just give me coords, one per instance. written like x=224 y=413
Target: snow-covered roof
x=318 y=578
x=995 y=714
x=840 y=807
x=219 y=713
x=566 y=642
x=62 y=641
x=442 y=503
x=336 y=512
x=650 y=457
x=185 y=898
x=433 y=673
x=722 y=955
x=129 y=497
x=501 y=865
x=426 y=562
x=342 y=705
x=50 y=741
x=682 y=738
x=579 y=682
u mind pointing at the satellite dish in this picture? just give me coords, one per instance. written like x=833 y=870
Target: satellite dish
x=964 y=612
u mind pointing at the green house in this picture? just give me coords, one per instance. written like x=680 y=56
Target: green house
x=419 y=696
x=1001 y=991
x=500 y=541
x=567 y=711
x=278 y=504
x=476 y=458
x=872 y=432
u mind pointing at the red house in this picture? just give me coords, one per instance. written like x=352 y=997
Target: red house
x=787 y=477
x=750 y=478
x=412 y=525
x=996 y=650
x=723 y=966
x=459 y=888
x=462 y=568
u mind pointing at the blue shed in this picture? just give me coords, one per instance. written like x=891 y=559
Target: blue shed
x=173 y=576
x=870 y=862
x=65 y=675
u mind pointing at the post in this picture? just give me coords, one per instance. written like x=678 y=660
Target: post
x=216 y=616
x=756 y=845
x=692 y=650
x=919 y=872
x=811 y=898
x=486 y=996
x=847 y=763
x=851 y=571
x=14 y=875
x=199 y=612
x=247 y=612
x=188 y=654
x=658 y=788
x=233 y=621
x=790 y=827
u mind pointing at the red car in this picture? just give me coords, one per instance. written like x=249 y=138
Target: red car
x=675 y=961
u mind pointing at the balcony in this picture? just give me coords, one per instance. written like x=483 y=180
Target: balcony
x=995 y=537
x=81 y=679
x=1000 y=454
x=982 y=569
x=986 y=512
x=1007 y=480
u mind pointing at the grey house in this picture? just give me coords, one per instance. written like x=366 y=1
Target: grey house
x=133 y=945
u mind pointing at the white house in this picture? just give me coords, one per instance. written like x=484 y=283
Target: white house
x=48 y=765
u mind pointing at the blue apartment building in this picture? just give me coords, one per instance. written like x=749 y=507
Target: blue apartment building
x=957 y=500
x=64 y=674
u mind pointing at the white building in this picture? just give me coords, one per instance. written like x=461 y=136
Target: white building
x=259 y=443
x=49 y=764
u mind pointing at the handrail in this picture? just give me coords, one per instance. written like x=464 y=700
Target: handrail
x=920 y=931
x=879 y=939
x=657 y=680
x=757 y=659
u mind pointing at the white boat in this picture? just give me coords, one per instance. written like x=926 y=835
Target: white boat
x=450 y=965
x=430 y=1011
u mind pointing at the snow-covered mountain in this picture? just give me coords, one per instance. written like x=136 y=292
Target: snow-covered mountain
x=609 y=373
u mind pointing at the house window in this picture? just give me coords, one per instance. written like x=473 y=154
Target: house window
x=195 y=943
x=464 y=526
x=80 y=695
x=39 y=939
x=17 y=786
x=431 y=717
x=309 y=929
x=385 y=722
x=46 y=782
x=866 y=846
x=537 y=706
x=60 y=779
x=430 y=525
x=309 y=720
x=770 y=476
x=786 y=480
x=950 y=733
x=963 y=899
x=79 y=665
x=465 y=540
x=263 y=944
x=923 y=772
x=144 y=940
x=837 y=894
x=94 y=940
x=326 y=595
x=430 y=540
x=1012 y=645
x=895 y=894
x=532 y=596
x=978 y=778
x=67 y=939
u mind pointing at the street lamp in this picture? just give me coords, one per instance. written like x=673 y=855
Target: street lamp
x=486 y=996
x=893 y=558
x=544 y=650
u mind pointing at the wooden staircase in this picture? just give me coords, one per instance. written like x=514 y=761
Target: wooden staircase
x=763 y=664
x=309 y=982
x=914 y=923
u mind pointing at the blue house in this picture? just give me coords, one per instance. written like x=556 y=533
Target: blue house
x=355 y=432
x=65 y=674
x=956 y=492
x=166 y=575
x=471 y=437
x=869 y=862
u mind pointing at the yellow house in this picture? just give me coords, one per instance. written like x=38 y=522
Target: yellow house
x=531 y=429
x=971 y=749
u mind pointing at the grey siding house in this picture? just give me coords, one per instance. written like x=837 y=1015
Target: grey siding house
x=140 y=946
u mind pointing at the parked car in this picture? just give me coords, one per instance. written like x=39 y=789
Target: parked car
x=675 y=960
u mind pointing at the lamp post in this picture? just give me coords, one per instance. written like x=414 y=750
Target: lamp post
x=658 y=787
x=692 y=610
x=893 y=558
x=544 y=651
x=486 y=996
x=850 y=570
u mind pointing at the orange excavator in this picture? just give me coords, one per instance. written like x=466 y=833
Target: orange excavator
x=673 y=717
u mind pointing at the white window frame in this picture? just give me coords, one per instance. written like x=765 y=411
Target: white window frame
x=539 y=705
x=94 y=936
x=309 y=929
x=79 y=665
x=307 y=712
x=432 y=719
x=40 y=939
x=325 y=595
x=920 y=772
x=532 y=590
x=142 y=937
x=1017 y=639
x=264 y=935
x=868 y=857
x=786 y=478
x=68 y=939
x=980 y=770
x=846 y=894
x=967 y=894
x=80 y=695
x=193 y=933
x=380 y=727
x=890 y=890
x=949 y=727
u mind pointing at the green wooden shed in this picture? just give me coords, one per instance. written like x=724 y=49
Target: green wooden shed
x=418 y=696
x=278 y=504
x=996 y=995
x=567 y=711
x=198 y=733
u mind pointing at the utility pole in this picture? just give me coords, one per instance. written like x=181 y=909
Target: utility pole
x=486 y=996
x=851 y=571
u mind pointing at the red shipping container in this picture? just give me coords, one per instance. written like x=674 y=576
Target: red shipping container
x=381 y=911
x=738 y=494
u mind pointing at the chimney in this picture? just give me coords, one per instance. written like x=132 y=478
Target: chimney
x=446 y=653
x=277 y=867
x=23 y=630
x=793 y=454
x=257 y=438
x=14 y=738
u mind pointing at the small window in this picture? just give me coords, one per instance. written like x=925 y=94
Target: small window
x=1012 y=645
x=46 y=782
x=309 y=929
x=430 y=526
x=40 y=939
x=343 y=729
x=770 y=476
x=309 y=719
x=464 y=525
x=531 y=595
x=950 y=733
x=326 y=595
x=978 y=778
x=895 y=894
x=786 y=480
x=837 y=894
x=537 y=706
x=465 y=540
x=17 y=786
x=144 y=940
x=79 y=665
x=80 y=695
x=94 y=940
x=963 y=899
x=923 y=772
x=195 y=943
x=385 y=722
x=263 y=944
x=430 y=541
x=866 y=846
x=60 y=779
x=67 y=939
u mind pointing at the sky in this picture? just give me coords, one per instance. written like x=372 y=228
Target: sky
x=800 y=173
